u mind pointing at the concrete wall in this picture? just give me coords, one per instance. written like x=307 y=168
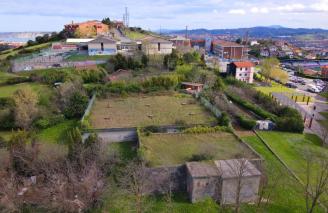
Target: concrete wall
x=115 y=135
x=202 y=188
x=160 y=178
x=248 y=193
x=152 y=48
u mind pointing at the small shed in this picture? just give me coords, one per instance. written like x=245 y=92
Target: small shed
x=202 y=180
x=238 y=176
x=265 y=125
x=192 y=87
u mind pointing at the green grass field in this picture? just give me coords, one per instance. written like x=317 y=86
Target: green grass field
x=77 y=57
x=134 y=35
x=4 y=76
x=139 y=111
x=293 y=149
x=287 y=195
x=173 y=149
x=9 y=90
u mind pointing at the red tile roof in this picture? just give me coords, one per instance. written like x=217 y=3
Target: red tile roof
x=244 y=64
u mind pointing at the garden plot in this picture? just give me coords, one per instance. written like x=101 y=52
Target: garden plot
x=173 y=149
x=139 y=111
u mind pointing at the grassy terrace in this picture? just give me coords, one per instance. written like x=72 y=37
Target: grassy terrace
x=137 y=111
x=293 y=148
x=173 y=149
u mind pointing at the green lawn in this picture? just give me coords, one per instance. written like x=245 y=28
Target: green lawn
x=57 y=133
x=134 y=35
x=77 y=57
x=287 y=195
x=4 y=76
x=293 y=149
x=9 y=90
x=142 y=110
x=126 y=150
x=278 y=88
x=173 y=149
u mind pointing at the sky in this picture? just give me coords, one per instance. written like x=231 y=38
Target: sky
x=51 y=15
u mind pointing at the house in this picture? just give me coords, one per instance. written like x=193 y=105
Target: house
x=242 y=70
x=88 y=28
x=180 y=41
x=265 y=53
x=156 y=46
x=229 y=50
x=238 y=177
x=102 y=46
x=192 y=87
x=198 y=44
x=221 y=180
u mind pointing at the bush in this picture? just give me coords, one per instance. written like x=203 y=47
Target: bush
x=224 y=120
x=44 y=123
x=76 y=106
x=246 y=123
x=7 y=120
x=290 y=120
x=203 y=130
x=2 y=142
x=6 y=103
x=17 y=80
x=201 y=157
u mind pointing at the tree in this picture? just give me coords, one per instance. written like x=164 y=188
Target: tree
x=238 y=41
x=316 y=181
x=107 y=21
x=268 y=66
x=25 y=107
x=76 y=105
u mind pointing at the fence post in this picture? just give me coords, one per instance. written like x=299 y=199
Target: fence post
x=308 y=100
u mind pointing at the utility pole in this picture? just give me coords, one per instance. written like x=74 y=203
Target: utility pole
x=186 y=32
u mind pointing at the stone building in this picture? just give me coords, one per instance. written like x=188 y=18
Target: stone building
x=220 y=181
x=156 y=46
x=102 y=46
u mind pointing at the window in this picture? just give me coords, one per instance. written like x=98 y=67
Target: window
x=240 y=74
x=245 y=74
x=102 y=46
x=159 y=46
x=241 y=69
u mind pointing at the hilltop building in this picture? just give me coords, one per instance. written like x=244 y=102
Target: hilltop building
x=102 y=46
x=228 y=50
x=88 y=28
x=155 y=46
x=242 y=70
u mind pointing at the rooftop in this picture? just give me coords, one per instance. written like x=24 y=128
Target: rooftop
x=243 y=64
x=102 y=39
x=152 y=39
x=236 y=167
x=224 y=43
x=202 y=169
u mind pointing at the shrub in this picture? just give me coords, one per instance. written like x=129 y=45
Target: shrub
x=203 y=129
x=44 y=123
x=290 y=120
x=7 y=120
x=76 y=106
x=201 y=157
x=224 y=120
x=17 y=80
x=246 y=123
x=6 y=103
x=2 y=142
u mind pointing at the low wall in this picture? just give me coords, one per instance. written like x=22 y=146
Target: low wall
x=88 y=109
x=209 y=106
x=114 y=135
x=162 y=179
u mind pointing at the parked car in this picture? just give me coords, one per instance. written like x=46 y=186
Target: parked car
x=291 y=85
x=56 y=65
x=313 y=89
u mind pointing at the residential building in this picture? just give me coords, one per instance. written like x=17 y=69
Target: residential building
x=265 y=53
x=221 y=180
x=102 y=46
x=198 y=43
x=242 y=70
x=180 y=41
x=87 y=29
x=229 y=50
x=156 y=45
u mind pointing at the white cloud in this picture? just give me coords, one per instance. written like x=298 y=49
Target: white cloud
x=321 y=6
x=290 y=8
x=262 y=10
x=237 y=11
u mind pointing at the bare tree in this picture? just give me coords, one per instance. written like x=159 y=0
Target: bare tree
x=316 y=181
x=240 y=169
x=135 y=181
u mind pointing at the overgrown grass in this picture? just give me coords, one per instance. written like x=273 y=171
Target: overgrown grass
x=4 y=76
x=134 y=35
x=126 y=150
x=173 y=149
x=57 y=133
x=139 y=110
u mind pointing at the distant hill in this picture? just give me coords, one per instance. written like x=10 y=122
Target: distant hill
x=19 y=36
x=260 y=32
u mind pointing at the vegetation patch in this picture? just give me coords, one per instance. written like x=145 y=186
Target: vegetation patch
x=173 y=149
x=150 y=110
